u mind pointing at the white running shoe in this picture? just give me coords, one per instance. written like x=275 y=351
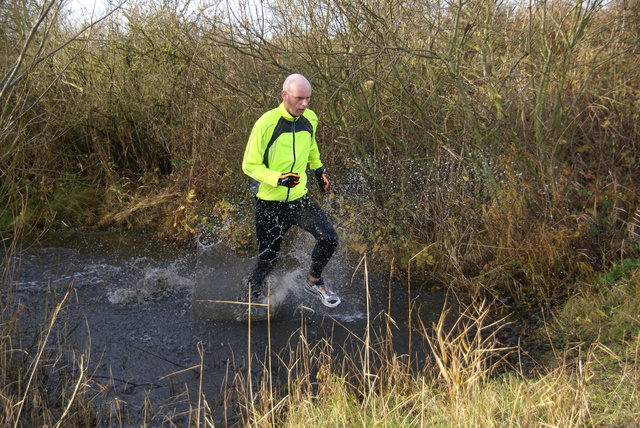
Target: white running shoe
x=320 y=290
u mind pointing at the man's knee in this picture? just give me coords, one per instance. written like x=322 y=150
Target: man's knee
x=330 y=241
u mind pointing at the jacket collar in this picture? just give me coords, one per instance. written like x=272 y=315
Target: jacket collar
x=284 y=113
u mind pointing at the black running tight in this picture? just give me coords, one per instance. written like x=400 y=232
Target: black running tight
x=273 y=221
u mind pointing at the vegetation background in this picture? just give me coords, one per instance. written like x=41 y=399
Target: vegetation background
x=490 y=140
x=489 y=145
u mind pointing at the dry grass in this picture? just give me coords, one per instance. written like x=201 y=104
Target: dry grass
x=459 y=387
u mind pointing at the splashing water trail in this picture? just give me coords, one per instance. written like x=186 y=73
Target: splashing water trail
x=283 y=284
x=156 y=283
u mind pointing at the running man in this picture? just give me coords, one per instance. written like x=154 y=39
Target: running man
x=281 y=146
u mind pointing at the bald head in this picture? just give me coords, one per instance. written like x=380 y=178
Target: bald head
x=296 y=94
x=295 y=80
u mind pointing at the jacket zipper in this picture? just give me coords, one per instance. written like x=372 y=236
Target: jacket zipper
x=293 y=139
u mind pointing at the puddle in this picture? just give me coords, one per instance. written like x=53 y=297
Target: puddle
x=141 y=309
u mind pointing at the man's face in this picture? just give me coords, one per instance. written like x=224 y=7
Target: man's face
x=296 y=98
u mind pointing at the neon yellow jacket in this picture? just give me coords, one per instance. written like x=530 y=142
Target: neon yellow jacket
x=278 y=144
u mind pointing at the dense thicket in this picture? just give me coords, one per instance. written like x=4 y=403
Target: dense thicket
x=485 y=142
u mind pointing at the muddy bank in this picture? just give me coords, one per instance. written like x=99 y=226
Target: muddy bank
x=129 y=312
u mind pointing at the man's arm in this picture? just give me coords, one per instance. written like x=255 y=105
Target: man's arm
x=252 y=162
x=314 y=152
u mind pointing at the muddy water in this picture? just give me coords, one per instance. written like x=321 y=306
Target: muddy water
x=130 y=311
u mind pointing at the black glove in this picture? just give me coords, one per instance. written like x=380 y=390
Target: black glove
x=289 y=180
x=321 y=179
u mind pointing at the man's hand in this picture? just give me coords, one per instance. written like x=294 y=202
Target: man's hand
x=321 y=179
x=289 y=180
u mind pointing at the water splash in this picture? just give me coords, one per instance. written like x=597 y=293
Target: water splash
x=218 y=284
x=155 y=284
